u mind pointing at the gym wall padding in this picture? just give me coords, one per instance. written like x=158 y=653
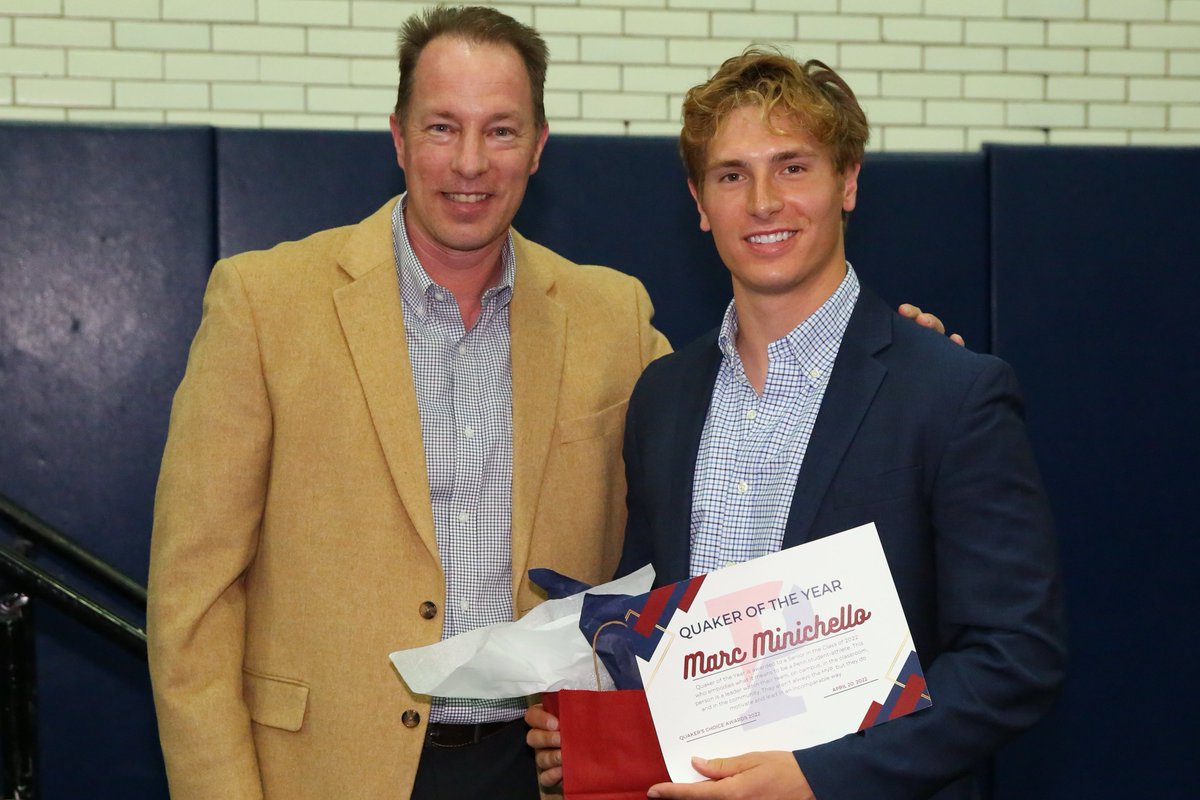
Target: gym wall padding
x=1096 y=279
x=1072 y=263
x=106 y=239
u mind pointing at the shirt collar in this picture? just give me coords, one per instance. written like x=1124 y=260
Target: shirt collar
x=814 y=341
x=416 y=287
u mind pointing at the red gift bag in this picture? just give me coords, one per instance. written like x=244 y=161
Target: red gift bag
x=609 y=748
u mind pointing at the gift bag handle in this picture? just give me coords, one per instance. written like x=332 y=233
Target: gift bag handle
x=595 y=657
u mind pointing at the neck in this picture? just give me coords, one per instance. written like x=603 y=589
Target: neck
x=467 y=275
x=765 y=318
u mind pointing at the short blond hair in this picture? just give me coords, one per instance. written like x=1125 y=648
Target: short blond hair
x=811 y=94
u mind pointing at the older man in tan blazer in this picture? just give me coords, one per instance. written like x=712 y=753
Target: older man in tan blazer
x=295 y=541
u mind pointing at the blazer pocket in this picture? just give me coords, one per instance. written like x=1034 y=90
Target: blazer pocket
x=883 y=487
x=273 y=701
x=602 y=423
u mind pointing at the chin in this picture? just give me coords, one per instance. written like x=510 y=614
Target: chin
x=465 y=241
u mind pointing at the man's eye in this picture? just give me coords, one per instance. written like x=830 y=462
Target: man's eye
x=794 y=169
x=439 y=128
x=729 y=177
x=504 y=133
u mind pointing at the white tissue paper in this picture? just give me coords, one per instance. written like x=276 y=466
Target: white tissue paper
x=543 y=651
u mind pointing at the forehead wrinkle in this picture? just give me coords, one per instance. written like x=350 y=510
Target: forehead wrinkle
x=498 y=116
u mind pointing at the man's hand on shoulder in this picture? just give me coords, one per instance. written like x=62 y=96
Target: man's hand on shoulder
x=773 y=775
x=927 y=320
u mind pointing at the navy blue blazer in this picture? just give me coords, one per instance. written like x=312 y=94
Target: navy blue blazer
x=927 y=440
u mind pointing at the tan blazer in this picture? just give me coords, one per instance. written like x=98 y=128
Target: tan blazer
x=293 y=541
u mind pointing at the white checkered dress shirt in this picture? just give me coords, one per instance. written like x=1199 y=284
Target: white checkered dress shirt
x=463 y=383
x=752 y=446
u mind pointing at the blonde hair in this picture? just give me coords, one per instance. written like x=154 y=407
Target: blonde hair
x=811 y=94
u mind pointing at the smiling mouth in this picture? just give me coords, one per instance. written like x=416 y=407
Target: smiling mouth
x=770 y=238
x=460 y=197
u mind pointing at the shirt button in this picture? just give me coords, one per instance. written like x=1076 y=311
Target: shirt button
x=814 y=373
x=468 y=432
x=428 y=610
x=462 y=349
x=743 y=487
x=464 y=517
x=464 y=605
x=751 y=414
x=410 y=718
x=439 y=296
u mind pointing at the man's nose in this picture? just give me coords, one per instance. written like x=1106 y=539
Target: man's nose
x=764 y=199
x=470 y=158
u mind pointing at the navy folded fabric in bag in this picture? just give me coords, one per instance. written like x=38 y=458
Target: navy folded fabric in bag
x=615 y=645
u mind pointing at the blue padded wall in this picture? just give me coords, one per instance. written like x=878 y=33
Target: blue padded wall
x=107 y=236
x=624 y=202
x=919 y=234
x=1095 y=279
x=105 y=246
x=277 y=186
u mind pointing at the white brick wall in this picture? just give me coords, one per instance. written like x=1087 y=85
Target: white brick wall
x=1184 y=63
x=933 y=74
x=114 y=64
x=163 y=36
x=112 y=9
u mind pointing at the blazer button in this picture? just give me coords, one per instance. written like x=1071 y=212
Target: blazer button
x=428 y=609
x=410 y=718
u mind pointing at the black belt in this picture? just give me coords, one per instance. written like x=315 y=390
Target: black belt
x=442 y=734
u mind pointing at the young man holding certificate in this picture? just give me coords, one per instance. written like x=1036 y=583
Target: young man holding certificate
x=813 y=409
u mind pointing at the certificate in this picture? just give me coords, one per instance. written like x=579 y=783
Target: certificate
x=779 y=653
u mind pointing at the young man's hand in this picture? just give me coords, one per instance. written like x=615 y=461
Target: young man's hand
x=773 y=775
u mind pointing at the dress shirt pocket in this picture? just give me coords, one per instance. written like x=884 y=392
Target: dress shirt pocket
x=273 y=701
x=882 y=487
x=602 y=423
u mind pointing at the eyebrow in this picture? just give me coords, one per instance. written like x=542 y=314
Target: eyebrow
x=776 y=158
x=793 y=155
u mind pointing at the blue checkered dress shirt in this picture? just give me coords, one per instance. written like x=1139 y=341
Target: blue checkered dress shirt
x=753 y=446
x=463 y=382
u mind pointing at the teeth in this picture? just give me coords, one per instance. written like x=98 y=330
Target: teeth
x=466 y=198
x=771 y=238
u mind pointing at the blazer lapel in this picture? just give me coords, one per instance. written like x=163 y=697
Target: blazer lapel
x=538 y=333
x=373 y=323
x=696 y=372
x=852 y=386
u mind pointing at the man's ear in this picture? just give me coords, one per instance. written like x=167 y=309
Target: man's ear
x=541 y=145
x=850 y=187
x=397 y=137
x=704 y=226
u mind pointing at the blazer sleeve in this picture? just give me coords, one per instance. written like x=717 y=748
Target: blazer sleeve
x=207 y=512
x=1000 y=629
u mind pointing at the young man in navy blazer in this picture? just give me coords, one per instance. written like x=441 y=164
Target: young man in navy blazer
x=814 y=408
